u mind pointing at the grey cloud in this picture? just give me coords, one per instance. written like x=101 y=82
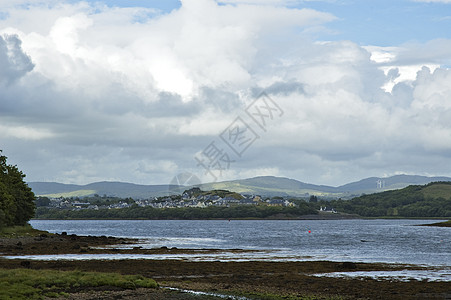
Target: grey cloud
x=222 y=100
x=171 y=105
x=14 y=63
x=402 y=95
x=283 y=88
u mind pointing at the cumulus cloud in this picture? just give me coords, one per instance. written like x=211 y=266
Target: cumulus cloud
x=132 y=94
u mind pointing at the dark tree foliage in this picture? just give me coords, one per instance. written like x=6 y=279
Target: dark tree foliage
x=211 y=212
x=16 y=198
x=42 y=201
x=313 y=198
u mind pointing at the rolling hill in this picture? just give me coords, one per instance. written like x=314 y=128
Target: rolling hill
x=263 y=185
x=115 y=189
x=278 y=186
x=430 y=200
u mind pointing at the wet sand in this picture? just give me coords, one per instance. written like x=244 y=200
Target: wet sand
x=280 y=278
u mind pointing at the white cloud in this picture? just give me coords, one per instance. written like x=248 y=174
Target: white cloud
x=129 y=94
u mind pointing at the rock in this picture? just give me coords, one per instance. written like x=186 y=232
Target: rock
x=25 y=264
x=347 y=266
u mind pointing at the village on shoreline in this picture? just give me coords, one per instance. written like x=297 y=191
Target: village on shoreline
x=192 y=198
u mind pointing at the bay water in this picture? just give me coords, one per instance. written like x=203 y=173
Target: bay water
x=379 y=240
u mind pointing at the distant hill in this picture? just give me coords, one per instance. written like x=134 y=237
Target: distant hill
x=279 y=186
x=273 y=186
x=115 y=189
x=263 y=185
x=375 y=184
x=431 y=200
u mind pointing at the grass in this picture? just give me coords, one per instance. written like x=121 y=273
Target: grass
x=20 y=231
x=37 y=284
x=437 y=190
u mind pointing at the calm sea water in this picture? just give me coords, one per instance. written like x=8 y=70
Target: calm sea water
x=392 y=241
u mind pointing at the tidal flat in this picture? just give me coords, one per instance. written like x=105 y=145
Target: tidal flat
x=239 y=279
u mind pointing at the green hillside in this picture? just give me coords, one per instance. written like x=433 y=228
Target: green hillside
x=77 y=193
x=113 y=189
x=431 y=200
x=274 y=186
x=439 y=190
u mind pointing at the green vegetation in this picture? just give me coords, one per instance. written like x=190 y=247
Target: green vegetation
x=78 y=193
x=431 y=200
x=273 y=186
x=437 y=190
x=20 y=231
x=16 y=198
x=37 y=284
x=221 y=193
x=211 y=212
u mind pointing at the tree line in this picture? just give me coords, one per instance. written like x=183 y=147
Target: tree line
x=185 y=213
x=17 y=205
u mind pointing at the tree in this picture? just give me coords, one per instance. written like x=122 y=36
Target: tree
x=313 y=198
x=16 y=198
x=42 y=201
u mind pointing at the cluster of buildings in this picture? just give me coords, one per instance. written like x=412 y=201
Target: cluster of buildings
x=63 y=203
x=187 y=199
x=203 y=201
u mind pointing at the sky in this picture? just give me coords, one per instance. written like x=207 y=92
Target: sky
x=322 y=91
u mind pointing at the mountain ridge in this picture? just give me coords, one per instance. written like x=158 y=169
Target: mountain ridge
x=260 y=185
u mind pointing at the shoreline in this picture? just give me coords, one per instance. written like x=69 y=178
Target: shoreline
x=320 y=216
x=294 y=279
x=440 y=224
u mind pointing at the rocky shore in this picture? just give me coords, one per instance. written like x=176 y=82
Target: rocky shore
x=253 y=279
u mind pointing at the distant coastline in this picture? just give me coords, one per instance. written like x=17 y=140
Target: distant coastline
x=440 y=224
